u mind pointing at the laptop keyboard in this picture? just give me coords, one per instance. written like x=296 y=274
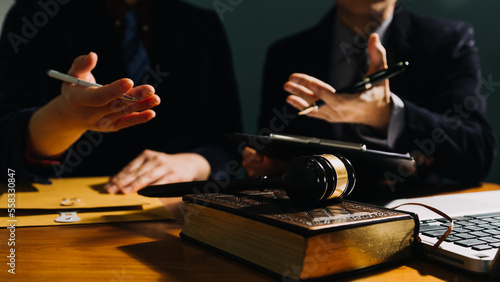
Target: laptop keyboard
x=478 y=232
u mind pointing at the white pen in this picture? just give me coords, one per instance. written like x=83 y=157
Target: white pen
x=81 y=82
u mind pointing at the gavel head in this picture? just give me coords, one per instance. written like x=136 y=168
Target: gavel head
x=318 y=178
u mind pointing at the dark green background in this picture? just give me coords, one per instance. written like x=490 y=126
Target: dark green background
x=252 y=25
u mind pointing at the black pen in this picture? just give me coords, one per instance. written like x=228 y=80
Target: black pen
x=362 y=85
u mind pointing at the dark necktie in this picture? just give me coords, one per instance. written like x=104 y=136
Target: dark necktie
x=361 y=61
x=350 y=68
x=349 y=65
x=134 y=54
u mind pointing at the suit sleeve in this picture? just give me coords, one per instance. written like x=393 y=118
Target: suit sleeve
x=22 y=82
x=447 y=131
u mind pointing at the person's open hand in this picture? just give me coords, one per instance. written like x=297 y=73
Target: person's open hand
x=57 y=125
x=101 y=108
x=372 y=107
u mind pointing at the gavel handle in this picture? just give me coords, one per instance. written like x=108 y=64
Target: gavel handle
x=196 y=187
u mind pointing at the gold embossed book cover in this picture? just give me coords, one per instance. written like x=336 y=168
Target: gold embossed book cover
x=265 y=229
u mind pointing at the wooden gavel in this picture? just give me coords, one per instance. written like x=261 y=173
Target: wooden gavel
x=306 y=180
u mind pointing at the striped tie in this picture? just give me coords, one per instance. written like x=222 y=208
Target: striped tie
x=134 y=54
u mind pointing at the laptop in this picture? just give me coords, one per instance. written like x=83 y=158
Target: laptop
x=474 y=243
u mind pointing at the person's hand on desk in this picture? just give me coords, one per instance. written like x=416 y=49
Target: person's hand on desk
x=153 y=168
x=372 y=107
x=258 y=164
x=58 y=124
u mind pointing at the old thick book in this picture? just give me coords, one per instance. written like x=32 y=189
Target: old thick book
x=265 y=229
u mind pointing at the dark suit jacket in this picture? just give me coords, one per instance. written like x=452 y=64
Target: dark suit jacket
x=445 y=112
x=191 y=70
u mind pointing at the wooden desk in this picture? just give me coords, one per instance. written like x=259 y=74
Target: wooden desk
x=153 y=251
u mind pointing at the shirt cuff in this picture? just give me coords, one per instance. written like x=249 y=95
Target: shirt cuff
x=30 y=160
x=216 y=156
x=396 y=125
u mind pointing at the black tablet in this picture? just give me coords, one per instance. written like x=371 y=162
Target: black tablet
x=371 y=166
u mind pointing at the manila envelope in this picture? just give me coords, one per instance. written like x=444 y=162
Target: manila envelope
x=75 y=201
